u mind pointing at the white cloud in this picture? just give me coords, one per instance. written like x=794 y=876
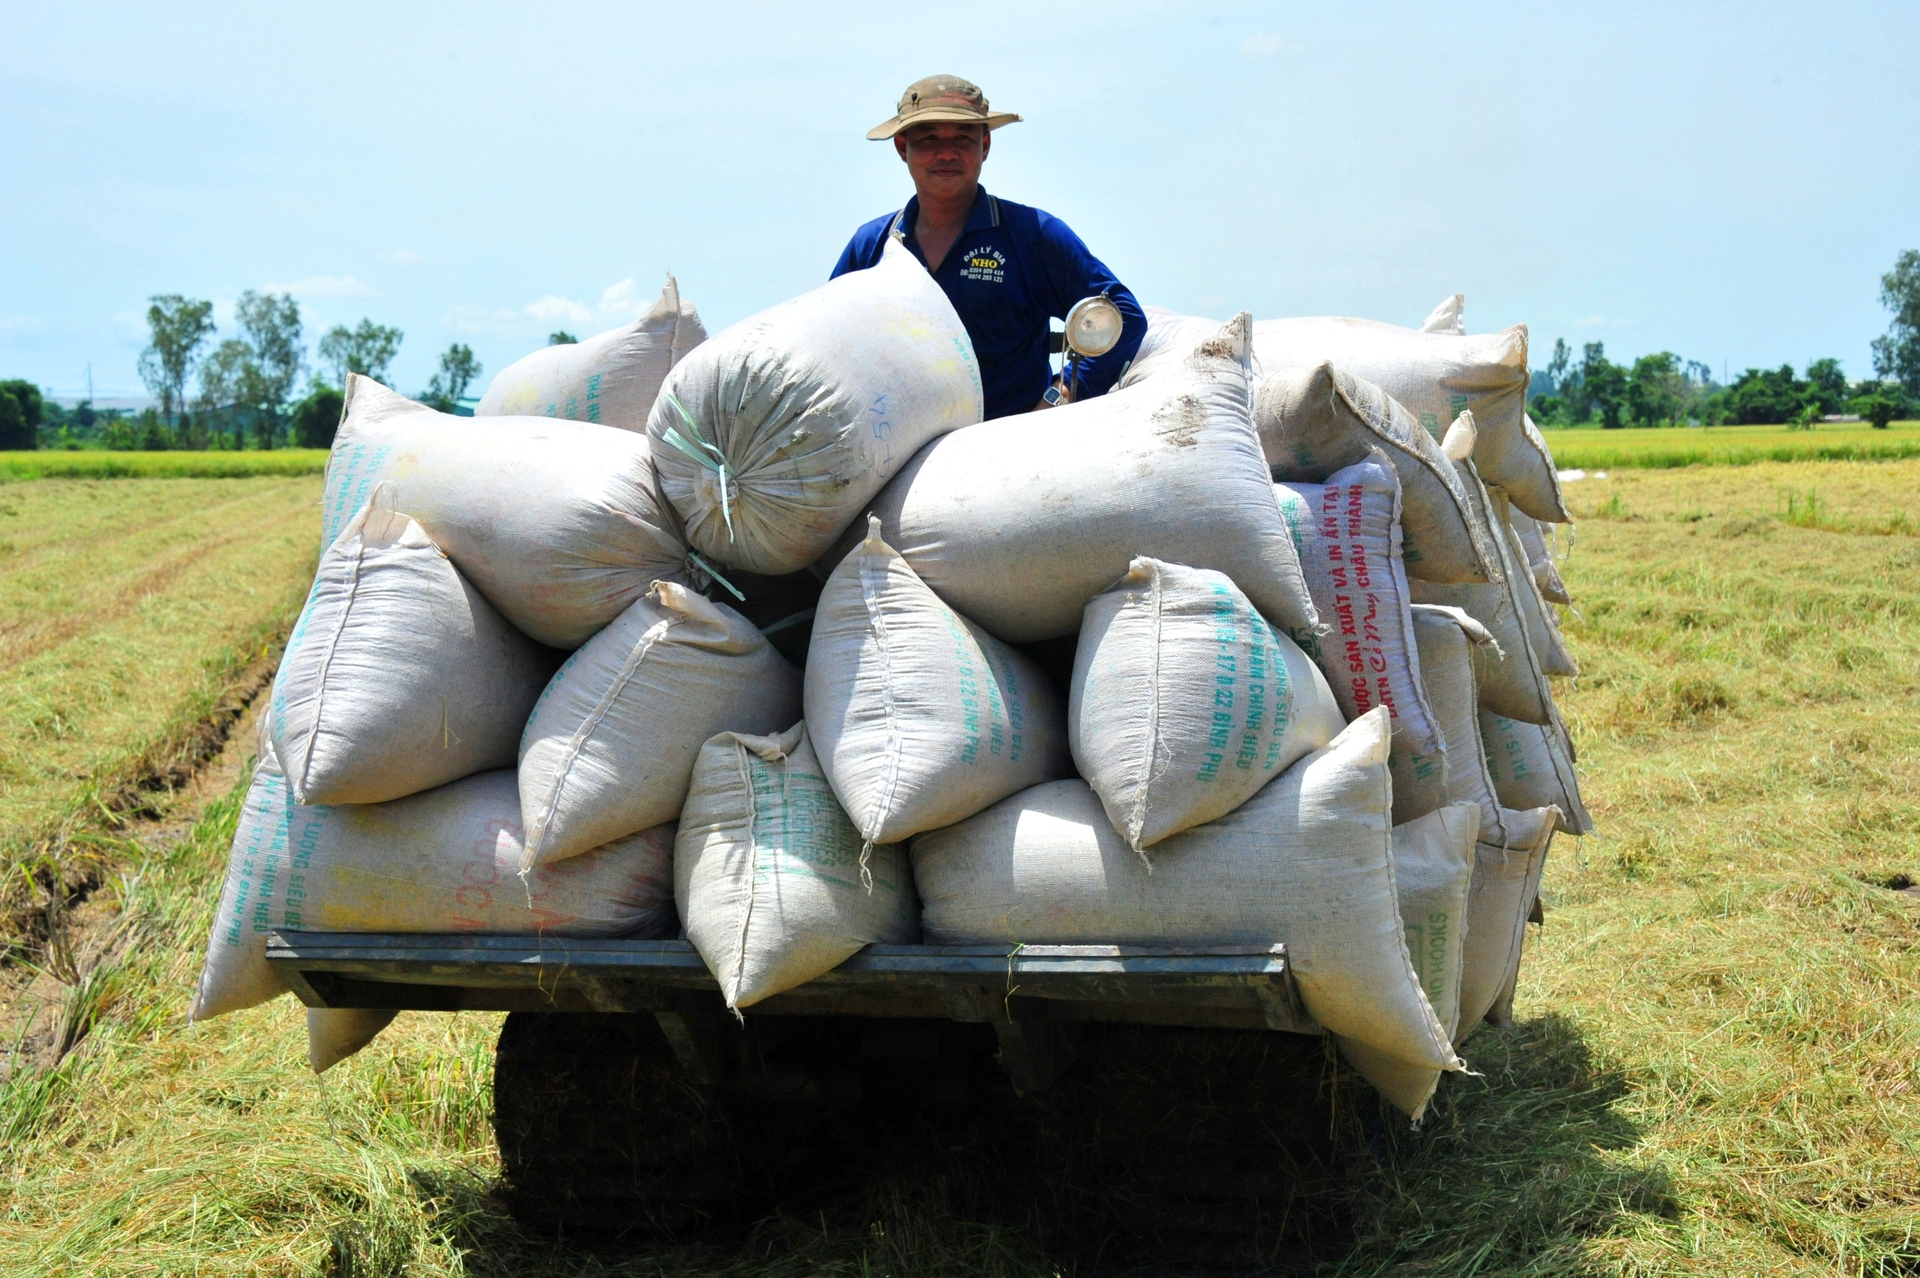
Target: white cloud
x=550 y=308
x=321 y=286
x=1591 y=321
x=401 y=257
x=18 y=323
x=618 y=300
x=1268 y=44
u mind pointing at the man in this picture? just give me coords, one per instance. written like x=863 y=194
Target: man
x=1006 y=267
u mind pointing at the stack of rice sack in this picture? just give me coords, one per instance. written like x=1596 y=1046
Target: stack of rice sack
x=488 y=714
x=1313 y=711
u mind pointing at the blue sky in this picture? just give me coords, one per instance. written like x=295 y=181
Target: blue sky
x=1725 y=181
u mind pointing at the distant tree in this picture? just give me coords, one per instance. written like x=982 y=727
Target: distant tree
x=561 y=337
x=117 y=431
x=1547 y=410
x=1657 y=391
x=1560 y=364
x=458 y=368
x=1880 y=402
x=272 y=326
x=153 y=432
x=21 y=411
x=1826 y=386
x=84 y=416
x=1897 y=354
x=317 y=417
x=1603 y=385
x=178 y=328
x=224 y=378
x=367 y=350
x=1761 y=398
x=13 y=424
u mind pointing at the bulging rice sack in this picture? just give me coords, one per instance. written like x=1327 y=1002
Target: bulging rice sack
x=1308 y=862
x=1537 y=542
x=1315 y=421
x=1348 y=533
x=1169 y=339
x=770 y=875
x=1531 y=766
x=1508 y=672
x=610 y=379
x=1542 y=624
x=1447 y=639
x=610 y=746
x=1436 y=376
x=555 y=522
x=1506 y=879
x=399 y=676
x=920 y=717
x=771 y=436
x=335 y=1033
x=444 y=861
x=1185 y=700
x=1448 y=317
x=1018 y=522
x=1432 y=870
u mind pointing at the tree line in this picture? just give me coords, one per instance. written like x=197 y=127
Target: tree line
x=244 y=390
x=1664 y=390
x=244 y=387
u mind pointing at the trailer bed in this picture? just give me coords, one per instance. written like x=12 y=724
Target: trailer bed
x=1033 y=995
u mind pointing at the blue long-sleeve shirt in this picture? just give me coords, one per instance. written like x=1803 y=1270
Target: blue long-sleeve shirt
x=1013 y=268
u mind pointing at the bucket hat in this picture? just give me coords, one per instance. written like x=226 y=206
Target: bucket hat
x=940 y=98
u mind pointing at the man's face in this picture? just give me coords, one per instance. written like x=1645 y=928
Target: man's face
x=944 y=158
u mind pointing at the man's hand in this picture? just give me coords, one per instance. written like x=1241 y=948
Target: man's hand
x=1063 y=395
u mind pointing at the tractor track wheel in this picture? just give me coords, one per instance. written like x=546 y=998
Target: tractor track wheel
x=600 y=1131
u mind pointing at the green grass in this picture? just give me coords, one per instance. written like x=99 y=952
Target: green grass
x=128 y=610
x=101 y=464
x=1715 y=1067
x=1673 y=447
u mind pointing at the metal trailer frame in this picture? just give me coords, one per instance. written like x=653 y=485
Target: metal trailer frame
x=1036 y=997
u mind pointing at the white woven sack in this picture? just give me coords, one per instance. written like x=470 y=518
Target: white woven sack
x=1540 y=493
x=1432 y=869
x=1506 y=879
x=921 y=717
x=1185 y=700
x=1447 y=317
x=335 y=1033
x=1543 y=625
x=444 y=861
x=1308 y=862
x=1532 y=767
x=772 y=435
x=1435 y=376
x=1508 y=674
x=771 y=877
x=610 y=379
x=398 y=676
x=1348 y=532
x=1447 y=639
x=1169 y=339
x=555 y=522
x=1539 y=556
x=1314 y=421
x=610 y=747
x=1018 y=522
